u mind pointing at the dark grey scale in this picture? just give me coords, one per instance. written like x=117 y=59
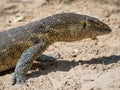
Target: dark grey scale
x=35 y=40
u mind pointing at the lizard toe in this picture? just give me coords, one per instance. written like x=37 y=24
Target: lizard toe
x=18 y=79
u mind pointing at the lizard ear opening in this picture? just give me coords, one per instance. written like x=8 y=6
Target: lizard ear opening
x=84 y=25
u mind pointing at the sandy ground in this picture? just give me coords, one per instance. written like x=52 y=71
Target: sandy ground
x=84 y=65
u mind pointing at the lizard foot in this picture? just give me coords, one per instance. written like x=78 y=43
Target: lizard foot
x=49 y=58
x=19 y=79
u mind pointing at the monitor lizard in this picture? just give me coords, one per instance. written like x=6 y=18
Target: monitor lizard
x=22 y=45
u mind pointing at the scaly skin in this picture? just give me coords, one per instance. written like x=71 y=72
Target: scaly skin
x=24 y=44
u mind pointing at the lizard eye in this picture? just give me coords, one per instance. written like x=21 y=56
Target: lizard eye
x=94 y=21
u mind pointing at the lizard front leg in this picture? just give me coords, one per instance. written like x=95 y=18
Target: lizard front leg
x=25 y=62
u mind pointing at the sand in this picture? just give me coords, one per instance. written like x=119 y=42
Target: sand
x=84 y=65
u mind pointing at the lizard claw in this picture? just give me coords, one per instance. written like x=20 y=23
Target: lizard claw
x=19 y=79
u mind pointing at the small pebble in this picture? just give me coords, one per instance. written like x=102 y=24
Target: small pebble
x=106 y=13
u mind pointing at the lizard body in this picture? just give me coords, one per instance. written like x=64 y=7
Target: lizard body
x=24 y=44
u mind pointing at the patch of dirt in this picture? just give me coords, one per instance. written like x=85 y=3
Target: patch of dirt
x=85 y=65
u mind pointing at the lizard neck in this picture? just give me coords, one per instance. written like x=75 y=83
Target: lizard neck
x=66 y=33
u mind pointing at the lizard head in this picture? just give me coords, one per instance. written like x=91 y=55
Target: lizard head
x=95 y=27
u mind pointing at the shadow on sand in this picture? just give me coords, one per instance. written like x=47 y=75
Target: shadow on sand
x=65 y=65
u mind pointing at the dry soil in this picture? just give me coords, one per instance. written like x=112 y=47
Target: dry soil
x=84 y=65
